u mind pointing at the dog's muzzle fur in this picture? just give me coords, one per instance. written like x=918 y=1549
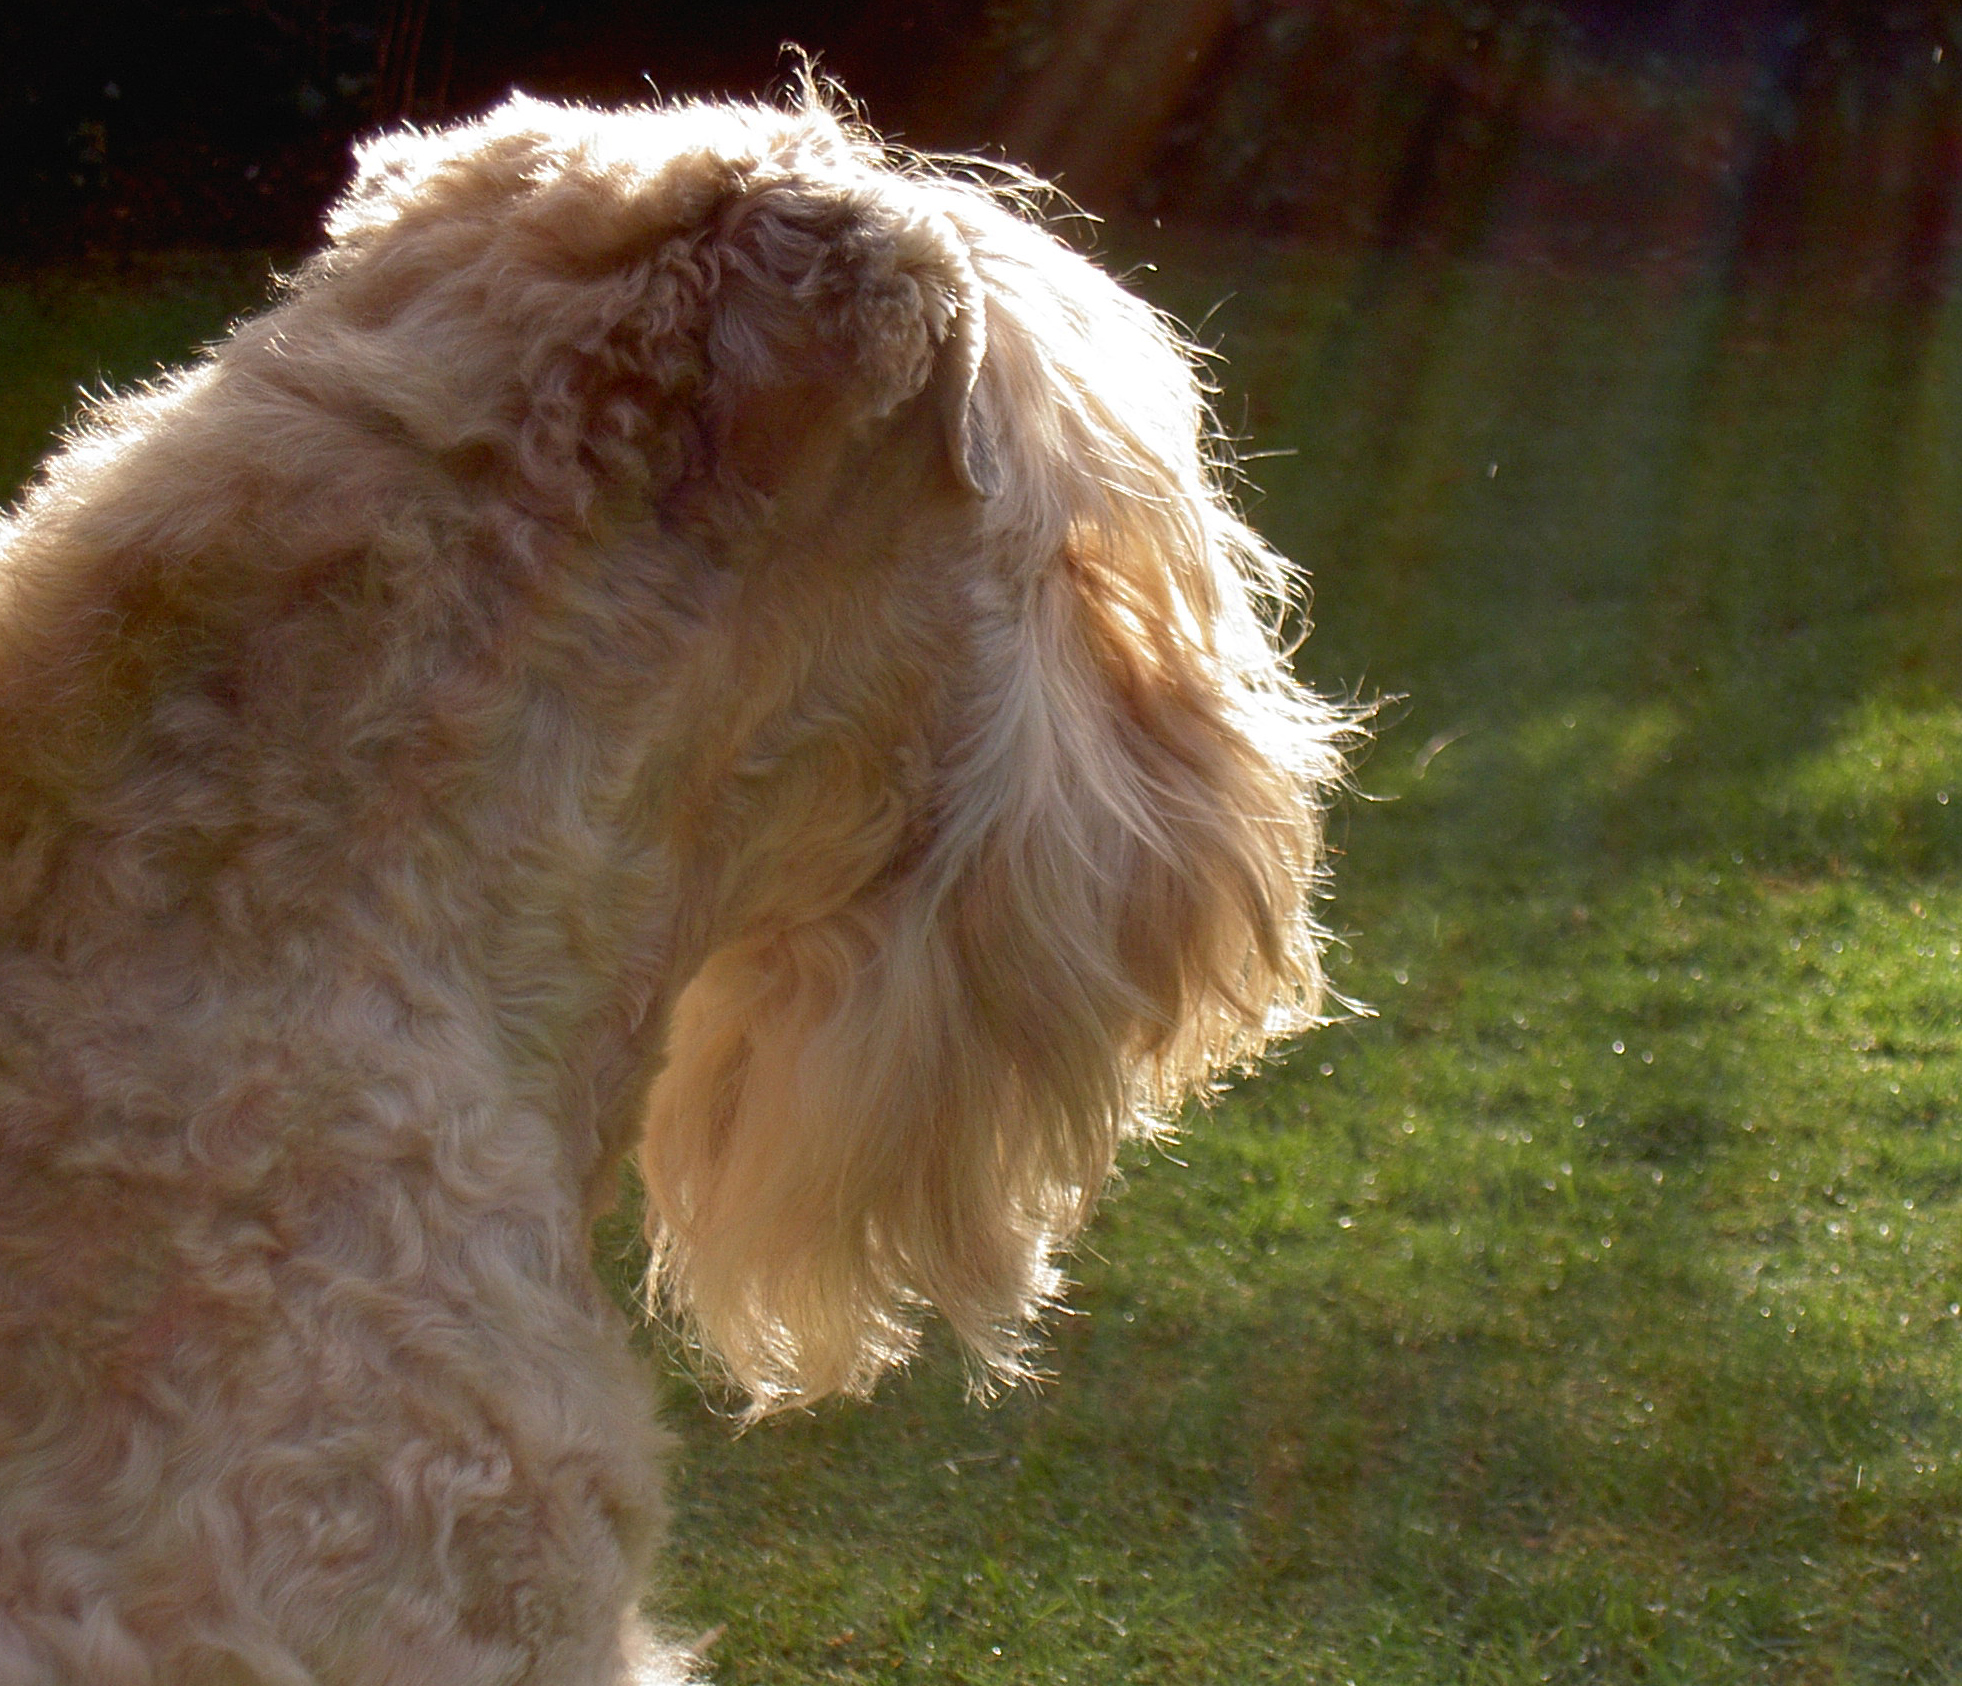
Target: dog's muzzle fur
x=679 y=631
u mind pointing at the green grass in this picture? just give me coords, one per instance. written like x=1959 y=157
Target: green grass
x=1593 y=1312
x=80 y=328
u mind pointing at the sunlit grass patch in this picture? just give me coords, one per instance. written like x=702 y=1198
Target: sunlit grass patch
x=1887 y=786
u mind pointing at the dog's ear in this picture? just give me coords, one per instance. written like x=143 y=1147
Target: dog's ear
x=902 y=1072
x=834 y=305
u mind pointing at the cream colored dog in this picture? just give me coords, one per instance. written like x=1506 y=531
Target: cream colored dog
x=679 y=629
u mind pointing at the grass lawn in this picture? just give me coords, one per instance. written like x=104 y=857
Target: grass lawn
x=1593 y=1311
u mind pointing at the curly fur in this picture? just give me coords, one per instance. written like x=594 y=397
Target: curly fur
x=679 y=628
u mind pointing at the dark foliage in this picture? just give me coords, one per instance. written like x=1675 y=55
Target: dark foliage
x=131 y=123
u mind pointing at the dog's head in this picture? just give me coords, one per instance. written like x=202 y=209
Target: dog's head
x=997 y=814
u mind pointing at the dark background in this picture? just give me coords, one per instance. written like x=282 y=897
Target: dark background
x=1809 y=130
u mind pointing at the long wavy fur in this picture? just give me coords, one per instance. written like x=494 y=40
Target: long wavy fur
x=908 y=1085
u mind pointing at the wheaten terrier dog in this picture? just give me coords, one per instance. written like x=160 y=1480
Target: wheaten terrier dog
x=680 y=631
